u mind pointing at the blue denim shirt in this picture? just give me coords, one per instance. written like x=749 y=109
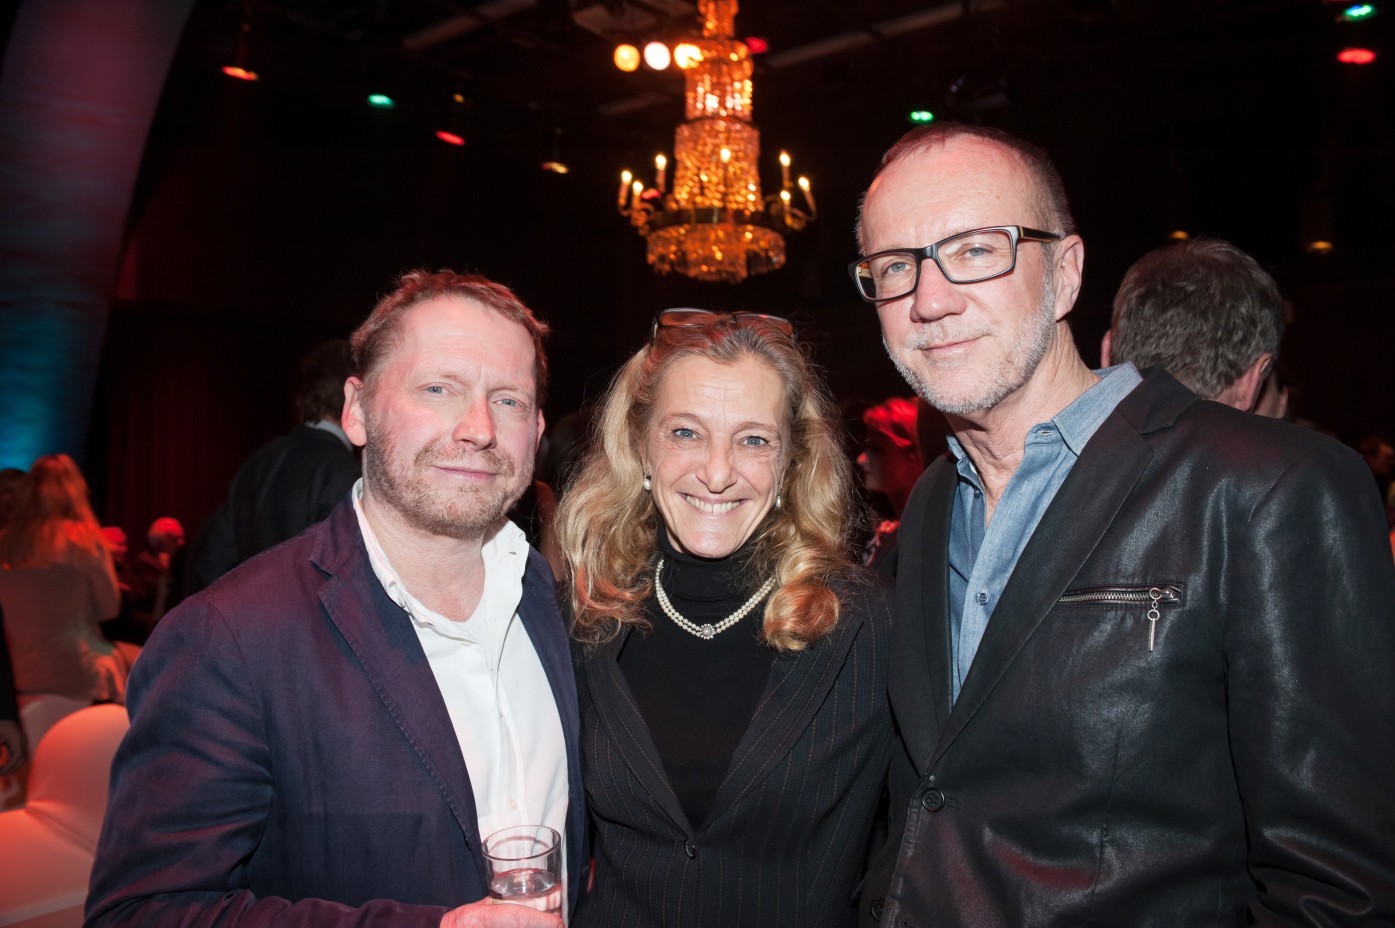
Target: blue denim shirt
x=982 y=558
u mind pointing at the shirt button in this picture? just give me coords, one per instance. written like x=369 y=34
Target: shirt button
x=978 y=494
x=981 y=598
x=876 y=908
x=690 y=850
x=932 y=800
x=513 y=804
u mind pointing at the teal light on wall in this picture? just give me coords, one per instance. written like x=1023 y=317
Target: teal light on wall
x=78 y=91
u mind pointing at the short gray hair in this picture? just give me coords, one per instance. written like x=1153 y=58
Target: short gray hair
x=1049 y=190
x=1202 y=310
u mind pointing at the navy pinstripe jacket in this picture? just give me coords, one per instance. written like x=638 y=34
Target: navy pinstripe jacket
x=785 y=843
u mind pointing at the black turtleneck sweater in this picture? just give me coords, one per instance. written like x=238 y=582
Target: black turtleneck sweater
x=696 y=695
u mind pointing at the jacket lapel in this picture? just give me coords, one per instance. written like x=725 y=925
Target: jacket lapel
x=382 y=639
x=541 y=619
x=796 y=689
x=619 y=714
x=1079 y=516
x=920 y=659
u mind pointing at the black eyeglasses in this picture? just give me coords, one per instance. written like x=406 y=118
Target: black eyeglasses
x=695 y=318
x=966 y=258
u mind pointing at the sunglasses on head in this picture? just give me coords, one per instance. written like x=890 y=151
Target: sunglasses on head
x=695 y=318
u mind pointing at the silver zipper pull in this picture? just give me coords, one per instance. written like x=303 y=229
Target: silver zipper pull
x=1153 y=615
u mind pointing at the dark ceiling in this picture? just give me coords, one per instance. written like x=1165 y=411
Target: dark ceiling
x=290 y=198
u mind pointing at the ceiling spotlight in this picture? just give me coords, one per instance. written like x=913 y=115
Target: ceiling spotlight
x=626 y=57
x=1319 y=247
x=1356 y=56
x=757 y=45
x=1357 y=12
x=450 y=138
x=687 y=55
x=921 y=117
x=657 y=55
x=240 y=73
x=381 y=101
x=556 y=167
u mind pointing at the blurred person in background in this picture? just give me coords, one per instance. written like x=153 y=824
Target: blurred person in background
x=289 y=484
x=58 y=584
x=890 y=462
x=153 y=591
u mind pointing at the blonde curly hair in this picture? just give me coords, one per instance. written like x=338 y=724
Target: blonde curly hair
x=608 y=525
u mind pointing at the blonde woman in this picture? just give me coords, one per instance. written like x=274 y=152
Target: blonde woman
x=57 y=583
x=732 y=669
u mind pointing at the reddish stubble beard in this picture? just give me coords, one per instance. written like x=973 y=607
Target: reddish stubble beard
x=466 y=511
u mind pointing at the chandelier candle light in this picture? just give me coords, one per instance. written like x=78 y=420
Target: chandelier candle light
x=714 y=223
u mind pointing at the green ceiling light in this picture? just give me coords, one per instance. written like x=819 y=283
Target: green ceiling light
x=1357 y=12
x=381 y=101
x=922 y=117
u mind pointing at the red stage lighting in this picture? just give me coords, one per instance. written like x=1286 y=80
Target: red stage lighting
x=1356 y=56
x=450 y=138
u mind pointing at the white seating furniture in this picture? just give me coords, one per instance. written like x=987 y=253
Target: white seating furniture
x=47 y=847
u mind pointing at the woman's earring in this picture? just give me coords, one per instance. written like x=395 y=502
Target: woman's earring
x=777 y=499
x=647 y=485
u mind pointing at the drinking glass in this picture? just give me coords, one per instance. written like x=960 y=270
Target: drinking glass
x=523 y=864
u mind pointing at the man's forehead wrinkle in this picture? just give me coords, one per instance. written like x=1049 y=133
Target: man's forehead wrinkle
x=978 y=198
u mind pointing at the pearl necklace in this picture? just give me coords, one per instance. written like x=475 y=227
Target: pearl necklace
x=706 y=631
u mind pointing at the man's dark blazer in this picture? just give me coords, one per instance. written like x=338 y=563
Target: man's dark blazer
x=784 y=845
x=285 y=487
x=291 y=759
x=1239 y=772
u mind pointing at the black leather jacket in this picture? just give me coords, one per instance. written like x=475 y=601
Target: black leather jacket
x=1228 y=764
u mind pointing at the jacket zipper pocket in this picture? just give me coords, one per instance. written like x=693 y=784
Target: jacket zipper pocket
x=1152 y=596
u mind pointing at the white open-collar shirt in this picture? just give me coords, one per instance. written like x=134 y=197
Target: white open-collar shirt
x=495 y=689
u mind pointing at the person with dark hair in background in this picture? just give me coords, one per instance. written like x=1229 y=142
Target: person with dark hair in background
x=1205 y=312
x=287 y=485
x=1141 y=667
x=325 y=736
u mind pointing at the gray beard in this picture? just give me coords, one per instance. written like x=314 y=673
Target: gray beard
x=1024 y=354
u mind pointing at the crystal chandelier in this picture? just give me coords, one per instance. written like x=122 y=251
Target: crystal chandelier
x=714 y=224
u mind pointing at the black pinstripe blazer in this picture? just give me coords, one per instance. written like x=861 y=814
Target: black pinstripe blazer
x=785 y=843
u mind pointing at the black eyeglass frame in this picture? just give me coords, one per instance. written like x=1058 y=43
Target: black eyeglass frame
x=705 y=317
x=932 y=252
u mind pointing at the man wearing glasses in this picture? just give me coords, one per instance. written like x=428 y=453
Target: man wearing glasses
x=1143 y=667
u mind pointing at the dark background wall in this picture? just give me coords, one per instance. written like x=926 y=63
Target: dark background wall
x=268 y=216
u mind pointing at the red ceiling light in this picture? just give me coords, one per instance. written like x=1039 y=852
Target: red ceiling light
x=1356 y=56
x=757 y=45
x=241 y=74
x=450 y=138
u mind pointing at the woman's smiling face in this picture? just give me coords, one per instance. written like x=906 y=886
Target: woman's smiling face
x=715 y=452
